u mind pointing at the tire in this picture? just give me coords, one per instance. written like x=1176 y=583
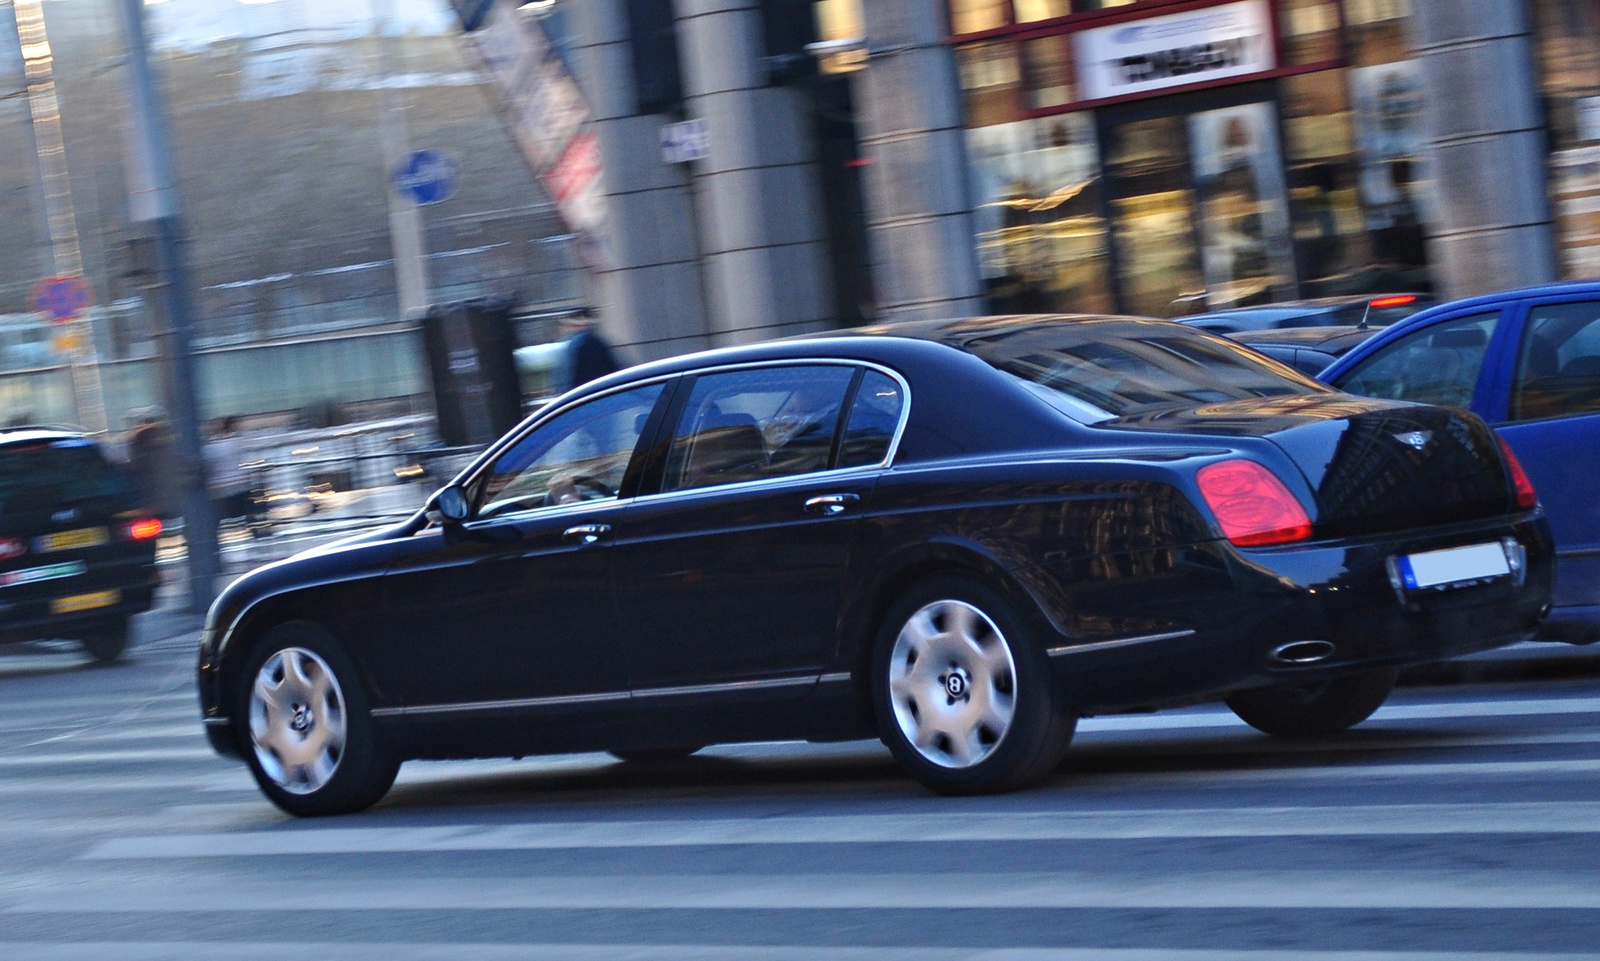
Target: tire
x=107 y=644
x=1314 y=709
x=962 y=690
x=653 y=755
x=304 y=725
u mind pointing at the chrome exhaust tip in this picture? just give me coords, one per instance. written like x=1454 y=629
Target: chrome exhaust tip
x=1302 y=652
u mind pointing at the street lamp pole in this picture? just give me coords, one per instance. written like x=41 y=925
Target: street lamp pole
x=153 y=202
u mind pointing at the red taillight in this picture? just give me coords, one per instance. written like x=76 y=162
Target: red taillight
x=12 y=547
x=144 y=528
x=1526 y=496
x=1399 y=301
x=1252 y=505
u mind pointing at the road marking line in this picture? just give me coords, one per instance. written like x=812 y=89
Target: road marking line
x=346 y=951
x=1445 y=710
x=1578 y=817
x=1216 y=890
x=107 y=757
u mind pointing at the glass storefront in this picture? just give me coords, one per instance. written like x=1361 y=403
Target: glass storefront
x=1569 y=61
x=1213 y=155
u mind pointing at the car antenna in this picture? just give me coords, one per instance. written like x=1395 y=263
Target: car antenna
x=1364 y=315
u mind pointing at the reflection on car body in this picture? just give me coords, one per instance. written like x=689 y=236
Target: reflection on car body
x=958 y=536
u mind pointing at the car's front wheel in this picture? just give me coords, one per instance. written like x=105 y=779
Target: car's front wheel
x=1307 y=710
x=308 y=735
x=962 y=690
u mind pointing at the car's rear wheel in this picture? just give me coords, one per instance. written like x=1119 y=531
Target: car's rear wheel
x=307 y=731
x=962 y=690
x=653 y=755
x=1307 y=710
x=106 y=644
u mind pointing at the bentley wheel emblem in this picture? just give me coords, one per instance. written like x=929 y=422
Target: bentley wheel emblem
x=1415 y=438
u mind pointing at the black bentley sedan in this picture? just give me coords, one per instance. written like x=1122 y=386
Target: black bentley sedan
x=959 y=537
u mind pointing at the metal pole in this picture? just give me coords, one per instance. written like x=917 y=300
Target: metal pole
x=153 y=201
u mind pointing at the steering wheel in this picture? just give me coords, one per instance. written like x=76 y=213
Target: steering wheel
x=587 y=482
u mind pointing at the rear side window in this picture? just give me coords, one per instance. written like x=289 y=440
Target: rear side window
x=1436 y=365
x=1558 y=366
x=42 y=476
x=748 y=425
x=874 y=417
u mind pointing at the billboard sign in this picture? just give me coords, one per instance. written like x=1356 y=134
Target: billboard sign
x=1174 y=51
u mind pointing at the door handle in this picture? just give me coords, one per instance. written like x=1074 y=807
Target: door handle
x=831 y=504
x=586 y=533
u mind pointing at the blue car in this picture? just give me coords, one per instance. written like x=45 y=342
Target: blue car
x=1528 y=362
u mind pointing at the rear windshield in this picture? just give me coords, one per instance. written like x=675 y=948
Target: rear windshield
x=42 y=475
x=1129 y=368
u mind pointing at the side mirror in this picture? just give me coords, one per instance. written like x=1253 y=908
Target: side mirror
x=452 y=504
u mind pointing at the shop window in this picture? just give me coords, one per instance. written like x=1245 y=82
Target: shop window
x=1330 y=236
x=1041 y=239
x=1395 y=186
x=1569 y=60
x=991 y=83
x=1310 y=31
x=1029 y=11
x=1048 y=64
x=976 y=16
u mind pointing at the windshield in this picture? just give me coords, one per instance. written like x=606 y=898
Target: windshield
x=42 y=475
x=1125 y=368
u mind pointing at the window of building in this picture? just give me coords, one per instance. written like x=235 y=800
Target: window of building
x=991 y=83
x=1569 y=60
x=1309 y=31
x=1330 y=236
x=1042 y=242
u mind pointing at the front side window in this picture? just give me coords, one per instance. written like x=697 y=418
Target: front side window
x=748 y=425
x=1558 y=366
x=1436 y=365
x=578 y=455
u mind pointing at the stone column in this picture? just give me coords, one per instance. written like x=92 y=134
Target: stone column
x=649 y=299
x=758 y=193
x=919 y=208
x=1487 y=141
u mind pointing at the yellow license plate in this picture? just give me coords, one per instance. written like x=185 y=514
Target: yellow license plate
x=85 y=602
x=71 y=540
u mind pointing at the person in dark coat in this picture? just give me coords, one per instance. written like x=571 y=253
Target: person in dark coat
x=589 y=356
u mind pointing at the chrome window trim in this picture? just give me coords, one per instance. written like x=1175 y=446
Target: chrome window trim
x=845 y=472
x=475 y=473
x=565 y=700
x=1118 y=642
x=837 y=678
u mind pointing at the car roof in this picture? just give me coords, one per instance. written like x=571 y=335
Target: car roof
x=920 y=344
x=24 y=435
x=1328 y=339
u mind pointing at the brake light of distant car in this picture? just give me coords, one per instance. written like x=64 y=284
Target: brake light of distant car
x=12 y=547
x=1399 y=301
x=1252 y=505
x=142 y=529
x=1526 y=495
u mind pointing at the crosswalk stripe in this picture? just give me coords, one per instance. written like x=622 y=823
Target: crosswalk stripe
x=82 y=786
x=458 y=951
x=1445 y=710
x=106 y=757
x=1578 y=817
x=1354 y=772
x=1369 y=890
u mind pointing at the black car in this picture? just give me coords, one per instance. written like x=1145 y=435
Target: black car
x=958 y=536
x=1320 y=312
x=77 y=556
x=1309 y=350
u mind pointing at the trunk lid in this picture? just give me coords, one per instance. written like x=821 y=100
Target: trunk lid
x=1374 y=465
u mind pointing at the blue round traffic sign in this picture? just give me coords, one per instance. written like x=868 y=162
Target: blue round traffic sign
x=427 y=177
x=62 y=298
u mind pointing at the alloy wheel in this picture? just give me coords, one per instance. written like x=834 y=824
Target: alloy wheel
x=297 y=720
x=952 y=682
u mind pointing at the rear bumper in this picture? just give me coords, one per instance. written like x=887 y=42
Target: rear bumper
x=1336 y=593
x=34 y=619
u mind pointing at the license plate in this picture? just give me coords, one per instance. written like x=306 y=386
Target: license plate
x=50 y=572
x=71 y=540
x=1454 y=566
x=85 y=602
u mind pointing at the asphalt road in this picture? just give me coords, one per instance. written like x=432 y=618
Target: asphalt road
x=1461 y=820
